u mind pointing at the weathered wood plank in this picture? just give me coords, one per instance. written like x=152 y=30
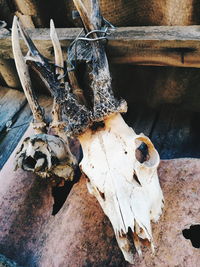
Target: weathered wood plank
x=176 y=133
x=10 y=139
x=13 y=136
x=173 y=130
x=152 y=45
x=141 y=119
x=9 y=73
x=10 y=104
x=178 y=139
x=162 y=126
x=3 y=91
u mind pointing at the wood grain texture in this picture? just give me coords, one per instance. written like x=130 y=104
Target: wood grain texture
x=175 y=133
x=11 y=138
x=21 y=116
x=9 y=73
x=3 y=91
x=141 y=119
x=10 y=104
x=173 y=130
x=153 y=45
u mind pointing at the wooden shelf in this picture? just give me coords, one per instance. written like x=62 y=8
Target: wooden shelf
x=147 y=45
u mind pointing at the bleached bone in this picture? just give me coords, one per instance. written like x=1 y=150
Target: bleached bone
x=22 y=69
x=57 y=122
x=127 y=190
x=46 y=155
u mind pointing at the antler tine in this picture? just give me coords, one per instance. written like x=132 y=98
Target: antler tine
x=72 y=92
x=57 y=122
x=57 y=51
x=39 y=63
x=36 y=56
x=22 y=69
x=104 y=102
x=90 y=13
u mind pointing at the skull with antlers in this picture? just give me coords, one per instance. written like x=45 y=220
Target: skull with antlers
x=125 y=185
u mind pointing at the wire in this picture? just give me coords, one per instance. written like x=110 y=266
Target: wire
x=11 y=128
x=71 y=66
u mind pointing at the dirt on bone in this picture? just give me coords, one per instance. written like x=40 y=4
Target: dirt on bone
x=46 y=155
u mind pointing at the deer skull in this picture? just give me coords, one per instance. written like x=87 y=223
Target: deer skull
x=127 y=190
x=125 y=184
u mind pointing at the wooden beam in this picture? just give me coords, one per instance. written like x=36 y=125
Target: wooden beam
x=3 y=91
x=9 y=73
x=10 y=105
x=153 y=45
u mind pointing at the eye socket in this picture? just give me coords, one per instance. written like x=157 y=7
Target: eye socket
x=29 y=162
x=145 y=152
x=142 y=153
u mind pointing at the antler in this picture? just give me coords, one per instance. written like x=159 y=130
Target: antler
x=127 y=188
x=104 y=102
x=43 y=154
x=57 y=121
x=22 y=69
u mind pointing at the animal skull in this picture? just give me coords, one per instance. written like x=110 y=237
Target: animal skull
x=46 y=155
x=127 y=190
x=125 y=185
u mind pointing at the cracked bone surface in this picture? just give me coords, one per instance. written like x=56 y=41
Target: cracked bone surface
x=127 y=189
x=124 y=182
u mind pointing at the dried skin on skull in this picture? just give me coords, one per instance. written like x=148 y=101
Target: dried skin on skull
x=46 y=155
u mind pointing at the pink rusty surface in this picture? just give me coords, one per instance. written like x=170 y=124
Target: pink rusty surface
x=25 y=204
x=180 y=183
x=90 y=240
x=80 y=234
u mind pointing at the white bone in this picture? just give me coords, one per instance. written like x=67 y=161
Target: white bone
x=57 y=123
x=109 y=161
x=24 y=77
x=57 y=49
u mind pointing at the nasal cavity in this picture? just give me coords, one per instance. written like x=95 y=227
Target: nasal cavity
x=193 y=233
x=30 y=162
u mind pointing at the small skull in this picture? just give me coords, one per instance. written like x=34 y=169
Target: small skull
x=46 y=155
